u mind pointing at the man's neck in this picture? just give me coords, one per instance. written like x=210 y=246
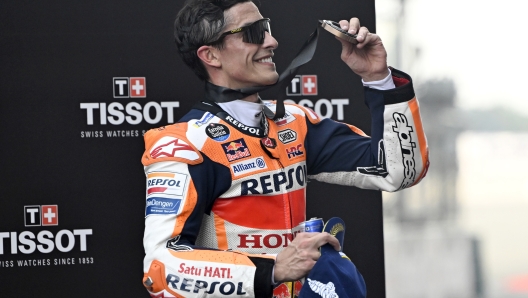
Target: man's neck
x=221 y=83
x=251 y=98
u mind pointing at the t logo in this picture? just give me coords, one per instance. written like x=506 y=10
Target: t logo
x=45 y=215
x=303 y=85
x=121 y=86
x=130 y=87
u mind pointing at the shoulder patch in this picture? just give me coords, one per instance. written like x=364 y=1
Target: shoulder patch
x=310 y=114
x=170 y=144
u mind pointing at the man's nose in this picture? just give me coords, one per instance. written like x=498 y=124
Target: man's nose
x=270 y=41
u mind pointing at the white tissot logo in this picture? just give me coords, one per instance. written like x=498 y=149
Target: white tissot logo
x=324 y=290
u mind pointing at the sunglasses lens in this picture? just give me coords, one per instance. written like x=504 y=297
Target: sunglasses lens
x=256 y=32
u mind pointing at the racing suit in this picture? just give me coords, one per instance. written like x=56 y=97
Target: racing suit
x=224 y=198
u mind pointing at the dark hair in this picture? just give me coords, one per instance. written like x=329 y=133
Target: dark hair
x=198 y=23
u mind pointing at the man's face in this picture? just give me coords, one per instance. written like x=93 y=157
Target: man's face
x=246 y=64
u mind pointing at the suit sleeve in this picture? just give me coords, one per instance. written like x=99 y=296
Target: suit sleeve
x=182 y=184
x=394 y=157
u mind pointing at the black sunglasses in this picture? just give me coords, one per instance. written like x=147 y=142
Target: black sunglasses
x=253 y=33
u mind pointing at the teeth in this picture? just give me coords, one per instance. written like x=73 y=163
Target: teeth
x=265 y=60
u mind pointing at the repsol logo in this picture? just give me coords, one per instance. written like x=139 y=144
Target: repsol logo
x=291 y=177
x=163 y=182
x=404 y=129
x=244 y=128
x=191 y=285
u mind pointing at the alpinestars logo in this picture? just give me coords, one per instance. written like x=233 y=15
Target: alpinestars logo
x=44 y=241
x=403 y=128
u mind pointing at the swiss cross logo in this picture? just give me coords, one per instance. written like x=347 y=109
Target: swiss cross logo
x=138 y=87
x=134 y=87
x=309 y=85
x=303 y=85
x=45 y=215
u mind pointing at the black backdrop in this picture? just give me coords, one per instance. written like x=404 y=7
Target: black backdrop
x=58 y=61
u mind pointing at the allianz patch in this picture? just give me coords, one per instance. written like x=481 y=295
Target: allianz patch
x=162 y=206
x=248 y=166
x=166 y=183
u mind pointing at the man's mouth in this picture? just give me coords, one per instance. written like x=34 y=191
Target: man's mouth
x=265 y=60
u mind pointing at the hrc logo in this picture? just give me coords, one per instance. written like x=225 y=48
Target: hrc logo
x=294 y=151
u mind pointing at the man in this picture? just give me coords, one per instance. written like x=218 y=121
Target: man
x=225 y=194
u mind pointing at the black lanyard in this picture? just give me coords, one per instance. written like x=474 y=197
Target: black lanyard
x=213 y=108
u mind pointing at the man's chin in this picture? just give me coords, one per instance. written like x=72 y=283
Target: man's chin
x=271 y=81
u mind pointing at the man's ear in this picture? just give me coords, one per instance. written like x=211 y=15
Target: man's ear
x=208 y=55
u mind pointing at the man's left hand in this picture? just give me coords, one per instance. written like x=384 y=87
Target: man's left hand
x=367 y=58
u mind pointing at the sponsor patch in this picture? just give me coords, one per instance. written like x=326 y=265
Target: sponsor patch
x=248 y=166
x=173 y=244
x=288 y=117
x=162 y=206
x=217 y=132
x=295 y=151
x=404 y=129
x=269 y=142
x=287 y=136
x=292 y=178
x=236 y=149
x=205 y=118
x=166 y=183
x=285 y=289
x=173 y=147
x=324 y=290
x=381 y=168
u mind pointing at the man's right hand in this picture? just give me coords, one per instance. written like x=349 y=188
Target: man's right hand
x=299 y=257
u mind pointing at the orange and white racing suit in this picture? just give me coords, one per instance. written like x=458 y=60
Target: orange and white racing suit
x=224 y=198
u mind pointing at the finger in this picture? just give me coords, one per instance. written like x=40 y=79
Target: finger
x=324 y=238
x=344 y=24
x=353 y=26
x=334 y=242
x=362 y=34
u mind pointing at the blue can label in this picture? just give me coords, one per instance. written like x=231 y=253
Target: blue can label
x=314 y=225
